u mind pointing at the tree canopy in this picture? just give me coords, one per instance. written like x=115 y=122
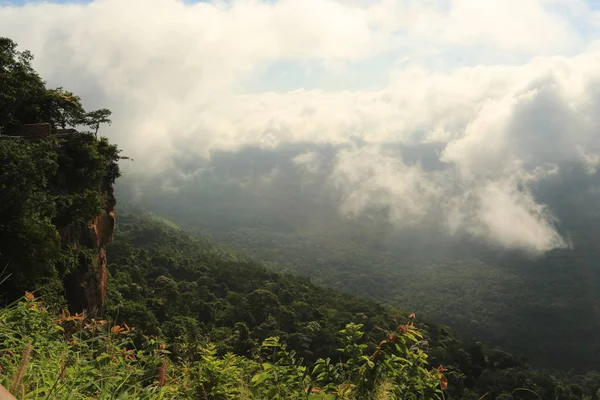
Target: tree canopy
x=46 y=185
x=24 y=98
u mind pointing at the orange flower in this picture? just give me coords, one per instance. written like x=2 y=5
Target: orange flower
x=117 y=329
x=66 y=317
x=412 y=316
x=444 y=382
x=29 y=296
x=403 y=328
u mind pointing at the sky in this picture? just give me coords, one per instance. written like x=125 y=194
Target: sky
x=509 y=90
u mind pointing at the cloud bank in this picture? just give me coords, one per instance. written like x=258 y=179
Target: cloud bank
x=508 y=91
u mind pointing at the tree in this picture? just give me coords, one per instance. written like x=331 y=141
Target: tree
x=24 y=98
x=62 y=108
x=22 y=91
x=93 y=119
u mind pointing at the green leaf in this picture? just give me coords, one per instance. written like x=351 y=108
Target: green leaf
x=260 y=378
x=267 y=366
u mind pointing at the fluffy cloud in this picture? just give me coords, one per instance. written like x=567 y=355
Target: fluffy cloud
x=508 y=91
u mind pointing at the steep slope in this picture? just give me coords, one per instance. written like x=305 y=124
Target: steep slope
x=171 y=284
x=57 y=217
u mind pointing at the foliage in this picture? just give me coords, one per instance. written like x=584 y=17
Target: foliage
x=48 y=187
x=184 y=289
x=24 y=98
x=47 y=355
x=70 y=356
x=167 y=282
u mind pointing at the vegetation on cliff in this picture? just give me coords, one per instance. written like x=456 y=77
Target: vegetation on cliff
x=51 y=187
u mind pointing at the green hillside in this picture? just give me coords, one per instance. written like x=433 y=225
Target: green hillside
x=544 y=307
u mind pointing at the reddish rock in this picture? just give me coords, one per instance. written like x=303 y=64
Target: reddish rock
x=86 y=286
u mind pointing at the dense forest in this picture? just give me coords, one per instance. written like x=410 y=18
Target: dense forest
x=542 y=306
x=163 y=312
x=219 y=319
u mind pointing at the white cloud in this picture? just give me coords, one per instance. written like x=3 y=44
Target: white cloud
x=368 y=178
x=522 y=25
x=174 y=73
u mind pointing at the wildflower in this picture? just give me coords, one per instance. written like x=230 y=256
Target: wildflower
x=392 y=338
x=65 y=316
x=443 y=381
x=412 y=316
x=117 y=329
x=29 y=296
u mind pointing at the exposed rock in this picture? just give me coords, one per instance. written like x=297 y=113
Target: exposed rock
x=86 y=286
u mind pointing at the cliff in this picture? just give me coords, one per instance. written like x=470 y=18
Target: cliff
x=56 y=218
x=56 y=201
x=85 y=287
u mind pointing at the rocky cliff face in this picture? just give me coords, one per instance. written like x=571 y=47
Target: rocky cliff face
x=85 y=287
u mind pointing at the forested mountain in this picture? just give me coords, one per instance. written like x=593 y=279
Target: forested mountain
x=185 y=289
x=544 y=306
